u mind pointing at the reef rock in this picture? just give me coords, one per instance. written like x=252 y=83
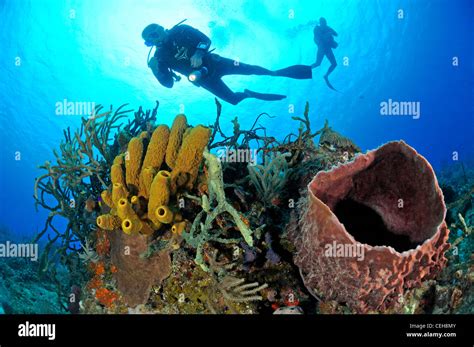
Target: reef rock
x=372 y=228
x=135 y=274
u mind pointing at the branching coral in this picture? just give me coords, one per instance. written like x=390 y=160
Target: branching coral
x=232 y=288
x=214 y=205
x=240 y=138
x=88 y=254
x=302 y=146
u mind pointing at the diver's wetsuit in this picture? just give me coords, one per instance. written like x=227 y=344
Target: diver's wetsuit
x=181 y=44
x=324 y=38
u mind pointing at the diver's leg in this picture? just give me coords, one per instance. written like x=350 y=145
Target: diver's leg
x=319 y=58
x=226 y=66
x=217 y=87
x=332 y=60
x=264 y=96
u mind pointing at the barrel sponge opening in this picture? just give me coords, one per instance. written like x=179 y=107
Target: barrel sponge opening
x=386 y=204
x=396 y=182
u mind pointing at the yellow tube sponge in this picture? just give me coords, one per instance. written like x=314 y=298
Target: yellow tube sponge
x=189 y=158
x=176 y=137
x=159 y=193
x=146 y=179
x=143 y=135
x=155 y=153
x=117 y=174
x=130 y=225
x=118 y=192
x=125 y=210
x=108 y=222
x=119 y=159
x=164 y=214
x=178 y=228
x=106 y=197
x=133 y=162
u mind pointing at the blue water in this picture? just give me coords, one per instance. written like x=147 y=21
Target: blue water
x=92 y=51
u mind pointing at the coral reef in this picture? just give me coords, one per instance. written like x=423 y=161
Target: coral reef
x=391 y=191
x=157 y=223
x=191 y=290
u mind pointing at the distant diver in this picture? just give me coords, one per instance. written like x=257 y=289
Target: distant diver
x=185 y=50
x=324 y=39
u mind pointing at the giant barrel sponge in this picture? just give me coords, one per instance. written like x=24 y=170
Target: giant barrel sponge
x=139 y=195
x=370 y=229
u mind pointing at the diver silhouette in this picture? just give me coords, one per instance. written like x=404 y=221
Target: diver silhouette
x=185 y=50
x=324 y=39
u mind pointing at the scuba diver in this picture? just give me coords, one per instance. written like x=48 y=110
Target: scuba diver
x=185 y=50
x=324 y=39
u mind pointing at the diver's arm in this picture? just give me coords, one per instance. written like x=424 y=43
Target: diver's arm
x=332 y=31
x=202 y=42
x=161 y=72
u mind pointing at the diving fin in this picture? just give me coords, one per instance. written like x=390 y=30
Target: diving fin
x=262 y=96
x=300 y=72
x=329 y=84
